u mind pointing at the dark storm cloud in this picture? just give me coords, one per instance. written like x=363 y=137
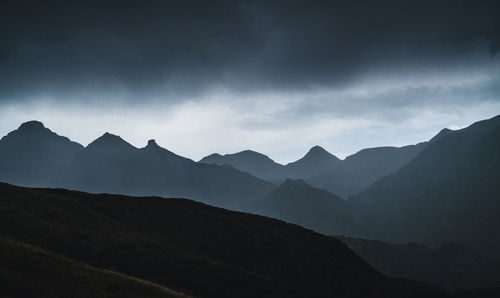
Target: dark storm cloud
x=187 y=46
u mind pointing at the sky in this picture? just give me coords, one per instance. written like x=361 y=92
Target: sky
x=276 y=77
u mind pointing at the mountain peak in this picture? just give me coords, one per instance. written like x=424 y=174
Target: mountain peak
x=317 y=149
x=441 y=134
x=108 y=139
x=152 y=144
x=32 y=125
x=110 y=136
x=319 y=152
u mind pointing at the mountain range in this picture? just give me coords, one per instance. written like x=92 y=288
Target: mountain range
x=35 y=156
x=442 y=191
x=322 y=169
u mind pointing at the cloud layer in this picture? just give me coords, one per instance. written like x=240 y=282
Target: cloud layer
x=274 y=76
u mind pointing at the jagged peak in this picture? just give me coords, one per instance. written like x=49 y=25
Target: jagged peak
x=152 y=144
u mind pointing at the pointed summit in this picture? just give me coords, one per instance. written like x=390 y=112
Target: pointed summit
x=318 y=153
x=441 y=134
x=153 y=149
x=316 y=161
x=109 y=138
x=110 y=141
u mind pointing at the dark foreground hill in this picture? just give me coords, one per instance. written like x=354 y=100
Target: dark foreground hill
x=60 y=243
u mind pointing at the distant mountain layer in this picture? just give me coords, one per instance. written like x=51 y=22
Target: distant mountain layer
x=449 y=265
x=321 y=169
x=34 y=156
x=450 y=192
x=66 y=243
x=315 y=162
x=249 y=161
x=111 y=165
x=297 y=202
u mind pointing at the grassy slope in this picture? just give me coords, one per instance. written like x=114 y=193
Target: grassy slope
x=28 y=271
x=180 y=244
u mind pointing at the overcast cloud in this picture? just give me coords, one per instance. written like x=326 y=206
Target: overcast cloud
x=273 y=76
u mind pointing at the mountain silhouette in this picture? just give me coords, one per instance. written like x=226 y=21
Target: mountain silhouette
x=321 y=169
x=110 y=164
x=448 y=193
x=257 y=164
x=58 y=242
x=297 y=202
x=316 y=161
x=32 y=154
x=358 y=171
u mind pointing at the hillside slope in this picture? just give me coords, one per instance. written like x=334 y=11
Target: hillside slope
x=449 y=266
x=188 y=246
